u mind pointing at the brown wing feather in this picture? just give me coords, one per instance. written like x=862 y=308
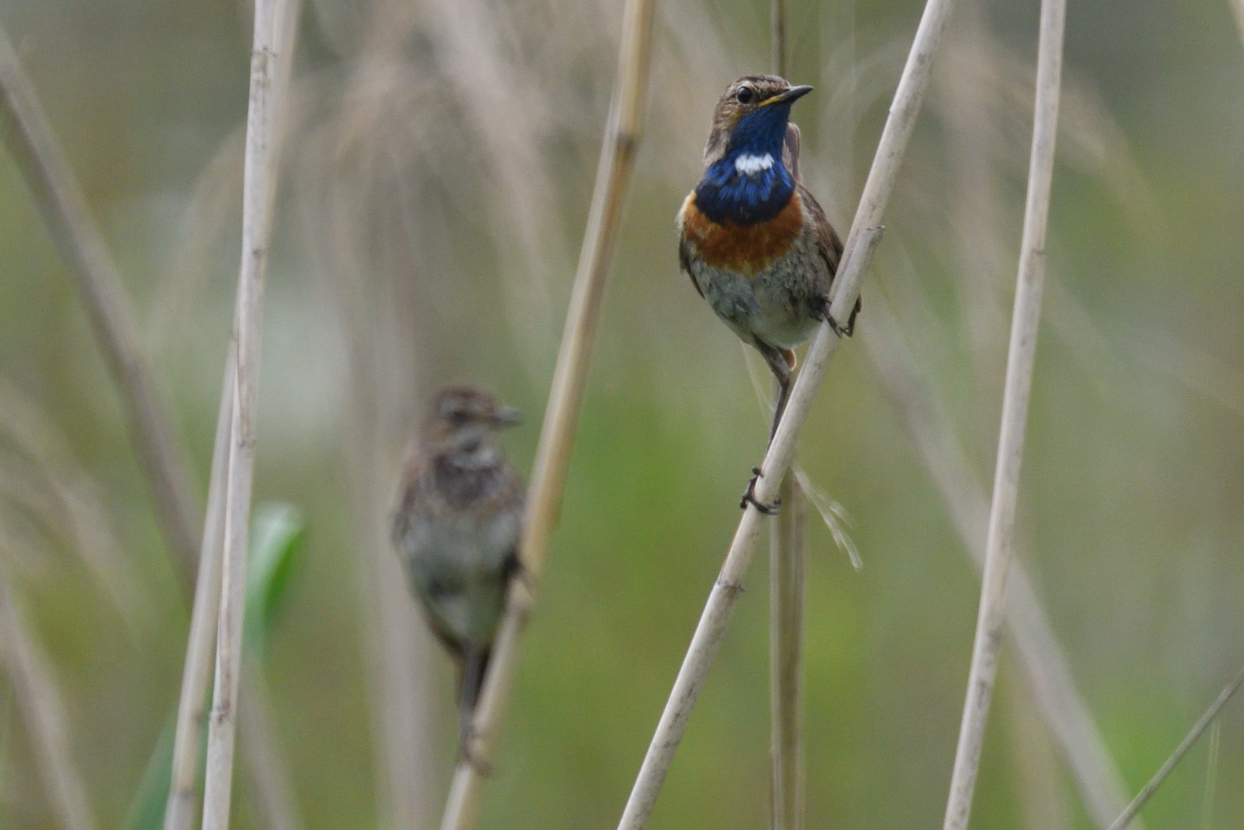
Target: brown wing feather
x=828 y=245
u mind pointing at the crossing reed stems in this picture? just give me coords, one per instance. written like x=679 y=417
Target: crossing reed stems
x=258 y=190
x=197 y=674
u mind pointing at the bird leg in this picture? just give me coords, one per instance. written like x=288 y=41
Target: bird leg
x=781 y=362
x=823 y=314
x=749 y=496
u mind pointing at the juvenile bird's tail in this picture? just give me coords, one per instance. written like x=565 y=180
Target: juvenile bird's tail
x=474 y=664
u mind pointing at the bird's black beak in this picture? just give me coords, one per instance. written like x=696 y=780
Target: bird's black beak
x=789 y=96
x=507 y=416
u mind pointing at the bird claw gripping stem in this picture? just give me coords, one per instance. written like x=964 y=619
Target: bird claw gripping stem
x=749 y=496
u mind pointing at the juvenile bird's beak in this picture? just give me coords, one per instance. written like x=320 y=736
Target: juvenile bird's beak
x=789 y=96
x=507 y=416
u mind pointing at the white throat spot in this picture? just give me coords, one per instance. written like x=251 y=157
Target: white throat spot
x=750 y=165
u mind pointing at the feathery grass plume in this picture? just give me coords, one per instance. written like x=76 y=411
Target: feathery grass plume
x=833 y=515
x=1020 y=362
x=40 y=702
x=41 y=477
x=64 y=210
x=258 y=191
x=1186 y=744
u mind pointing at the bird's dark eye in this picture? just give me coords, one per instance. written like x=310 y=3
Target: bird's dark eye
x=745 y=95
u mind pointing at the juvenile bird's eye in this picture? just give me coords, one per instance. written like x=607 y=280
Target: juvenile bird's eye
x=745 y=95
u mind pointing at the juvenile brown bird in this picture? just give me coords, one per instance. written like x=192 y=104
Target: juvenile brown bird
x=753 y=239
x=457 y=525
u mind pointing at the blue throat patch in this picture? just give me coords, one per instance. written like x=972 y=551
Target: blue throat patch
x=749 y=185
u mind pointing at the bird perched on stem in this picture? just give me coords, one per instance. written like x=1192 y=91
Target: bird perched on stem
x=753 y=239
x=456 y=528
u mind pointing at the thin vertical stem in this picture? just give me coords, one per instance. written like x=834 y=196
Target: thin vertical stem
x=1020 y=362
x=786 y=573
x=561 y=416
x=258 y=190
x=196 y=676
x=786 y=634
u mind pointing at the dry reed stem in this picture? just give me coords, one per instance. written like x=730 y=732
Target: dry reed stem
x=565 y=401
x=861 y=244
x=1044 y=662
x=64 y=210
x=196 y=677
x=786 y=636
x=41 y=704
x=258 y=190
x=1180 y=751
x=1020 y=362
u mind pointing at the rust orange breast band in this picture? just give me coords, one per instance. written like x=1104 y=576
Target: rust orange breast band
x=745 y=249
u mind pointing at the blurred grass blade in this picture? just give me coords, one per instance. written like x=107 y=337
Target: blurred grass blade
x=1237 y=11
x=147 y=808
x=1180 y=751
x=1211 y=776
x=277 y=536
x=47 y=724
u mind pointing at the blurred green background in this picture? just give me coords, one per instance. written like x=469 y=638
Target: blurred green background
x=437 y=165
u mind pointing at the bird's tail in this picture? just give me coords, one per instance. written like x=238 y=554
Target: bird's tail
x=474 y=664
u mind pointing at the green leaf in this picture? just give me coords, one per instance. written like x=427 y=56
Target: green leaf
x=147 y=808
x=277 y=536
